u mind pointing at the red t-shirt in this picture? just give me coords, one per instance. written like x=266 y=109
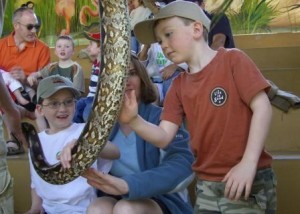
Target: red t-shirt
x=215 y=102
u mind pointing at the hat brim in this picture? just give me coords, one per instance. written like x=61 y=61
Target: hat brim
x=144 y=30
x=47 y=94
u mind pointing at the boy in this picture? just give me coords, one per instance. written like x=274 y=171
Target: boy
x=222 y=97
x=64 y=50
x=84 y=105
x=56 y=98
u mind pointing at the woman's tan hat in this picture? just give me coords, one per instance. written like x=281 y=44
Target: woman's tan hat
x=144 y=31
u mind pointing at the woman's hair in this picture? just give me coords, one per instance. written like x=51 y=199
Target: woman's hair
x=148 y=92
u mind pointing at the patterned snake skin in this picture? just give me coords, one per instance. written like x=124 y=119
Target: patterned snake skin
x=108 y=99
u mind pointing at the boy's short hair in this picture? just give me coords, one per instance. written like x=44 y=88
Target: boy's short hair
x=50 y=85
x=144 y=31
x=66 y=37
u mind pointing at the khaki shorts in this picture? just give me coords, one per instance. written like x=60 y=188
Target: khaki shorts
x=262 y=199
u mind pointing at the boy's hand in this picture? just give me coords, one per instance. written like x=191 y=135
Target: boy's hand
x=239 y=180
x=129 y=109
x=65 y=155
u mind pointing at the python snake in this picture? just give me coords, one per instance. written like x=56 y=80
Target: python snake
x=107 y=102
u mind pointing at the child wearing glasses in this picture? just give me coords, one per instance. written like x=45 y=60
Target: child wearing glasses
x=56 y=98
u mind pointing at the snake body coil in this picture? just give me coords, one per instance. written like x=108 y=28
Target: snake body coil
x=107 y=102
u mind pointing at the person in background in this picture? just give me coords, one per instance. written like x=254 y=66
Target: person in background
x=159 y=67
x=145 y=179
x=84 y=104
x=138 y=13
x=22 y=53
x=220 y=34
x=66 y=67
x=222 y=96
x=56 y=98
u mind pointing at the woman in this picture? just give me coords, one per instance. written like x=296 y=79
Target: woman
x=145 y=179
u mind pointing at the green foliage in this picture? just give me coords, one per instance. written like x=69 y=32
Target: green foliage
x=253 y=16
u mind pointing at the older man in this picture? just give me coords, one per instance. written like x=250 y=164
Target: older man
x=22 y=53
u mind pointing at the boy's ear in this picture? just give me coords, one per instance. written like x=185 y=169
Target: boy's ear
x=39 y=109
x=198 y=29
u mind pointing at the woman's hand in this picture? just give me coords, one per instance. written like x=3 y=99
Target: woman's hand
x=106 y=183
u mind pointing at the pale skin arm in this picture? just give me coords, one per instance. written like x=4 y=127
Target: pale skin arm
x=32 y=79
x=36 y=204
x=110 y=152
x=160 y=136
x=13 y=112
x=218 y=41
x=240 y=178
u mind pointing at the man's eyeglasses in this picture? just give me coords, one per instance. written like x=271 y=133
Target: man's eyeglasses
x=31 y=26
x=56 y=105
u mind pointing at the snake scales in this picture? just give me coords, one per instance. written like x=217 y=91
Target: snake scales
x=115 y=60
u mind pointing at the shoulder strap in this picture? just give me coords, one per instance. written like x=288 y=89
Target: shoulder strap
x=52 y=67
x=73 y=70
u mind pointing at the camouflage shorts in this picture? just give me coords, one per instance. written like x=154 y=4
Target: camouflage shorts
x=262 y=199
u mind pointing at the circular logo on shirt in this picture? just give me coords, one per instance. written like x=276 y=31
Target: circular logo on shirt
x=218 y=96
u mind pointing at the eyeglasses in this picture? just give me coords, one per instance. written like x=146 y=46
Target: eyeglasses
x=31 y=26
x=56 y=105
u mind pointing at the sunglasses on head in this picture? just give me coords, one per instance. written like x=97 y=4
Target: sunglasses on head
x=31 y=26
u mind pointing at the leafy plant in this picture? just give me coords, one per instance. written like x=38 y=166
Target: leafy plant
x=252 y=17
